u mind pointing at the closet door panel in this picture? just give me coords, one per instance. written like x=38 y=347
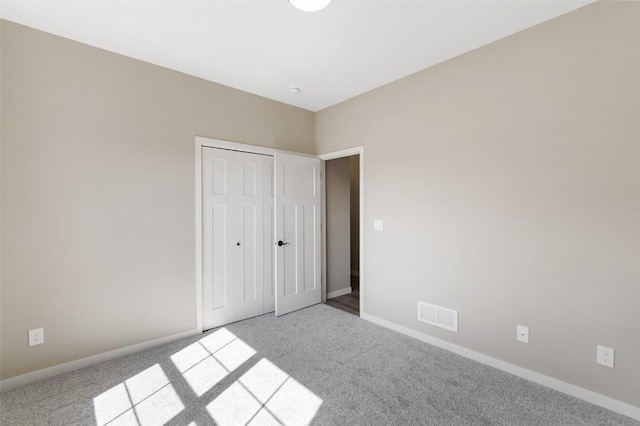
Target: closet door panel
x=297 y=201
x=249 y=212
x=237 y=193
x=269 y=237
x=218 y=246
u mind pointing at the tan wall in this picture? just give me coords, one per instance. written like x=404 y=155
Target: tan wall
x=98 y=202
x=509 y=182
x=338 y=223
x=354 y=181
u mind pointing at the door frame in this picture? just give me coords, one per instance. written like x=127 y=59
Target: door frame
x=358 y=150
x=205 y=142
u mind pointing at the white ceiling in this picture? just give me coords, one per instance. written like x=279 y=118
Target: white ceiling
x=266 y=46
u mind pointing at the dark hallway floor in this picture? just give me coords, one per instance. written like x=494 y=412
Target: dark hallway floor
x=349 y=302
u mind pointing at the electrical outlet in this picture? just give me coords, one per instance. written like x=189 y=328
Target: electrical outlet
x=605 y=356
x=522 y=333
x=36 y=336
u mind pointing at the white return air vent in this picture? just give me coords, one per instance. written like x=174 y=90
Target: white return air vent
x=438 y=316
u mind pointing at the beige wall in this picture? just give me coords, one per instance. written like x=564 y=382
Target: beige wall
x=354 y=182
x=508 y=179
x=509 y=182
x=338 y=224
x=98 y=190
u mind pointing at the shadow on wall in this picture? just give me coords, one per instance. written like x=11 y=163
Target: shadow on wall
x=192 y=385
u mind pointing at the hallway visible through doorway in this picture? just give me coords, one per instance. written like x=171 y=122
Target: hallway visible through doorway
x=342 y=188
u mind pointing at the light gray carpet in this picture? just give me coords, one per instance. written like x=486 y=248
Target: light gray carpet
x=318 y=365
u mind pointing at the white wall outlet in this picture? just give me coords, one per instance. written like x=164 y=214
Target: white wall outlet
x=36 y=336
x=522 y=333
x=378 y=225
x=605 y=356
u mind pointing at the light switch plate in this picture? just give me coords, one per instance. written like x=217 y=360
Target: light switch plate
x=522 y=333
x=378 y=225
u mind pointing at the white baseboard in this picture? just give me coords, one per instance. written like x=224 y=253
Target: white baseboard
x=355 y=273
x=541 y=379
x=338 y=293
x=45 y=373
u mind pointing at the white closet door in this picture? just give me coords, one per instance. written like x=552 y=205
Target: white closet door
x=298 y=218
x=233 y=243
x=251 y=201
x=249 y=225
x=218 y=227
x=269 y=237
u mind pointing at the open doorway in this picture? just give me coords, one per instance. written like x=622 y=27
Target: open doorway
x=342 y=218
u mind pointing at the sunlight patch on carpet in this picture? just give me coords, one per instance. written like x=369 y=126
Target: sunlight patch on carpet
x=265 y=395
x=205 y=363
x=146 y=398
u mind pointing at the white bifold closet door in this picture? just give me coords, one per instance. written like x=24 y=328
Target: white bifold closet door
x=237 y=236
x=297 y=230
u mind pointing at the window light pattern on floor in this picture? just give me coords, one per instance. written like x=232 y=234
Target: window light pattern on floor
x=264 y=395
x=146 y=398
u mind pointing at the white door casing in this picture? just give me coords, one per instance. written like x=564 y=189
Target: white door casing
x=233 y=227
x=359 y=151
x=298 y=226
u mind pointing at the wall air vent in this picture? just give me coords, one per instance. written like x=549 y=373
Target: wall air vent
x=438 y=316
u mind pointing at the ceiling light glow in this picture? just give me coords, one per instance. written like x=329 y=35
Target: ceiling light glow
x=310 y=5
